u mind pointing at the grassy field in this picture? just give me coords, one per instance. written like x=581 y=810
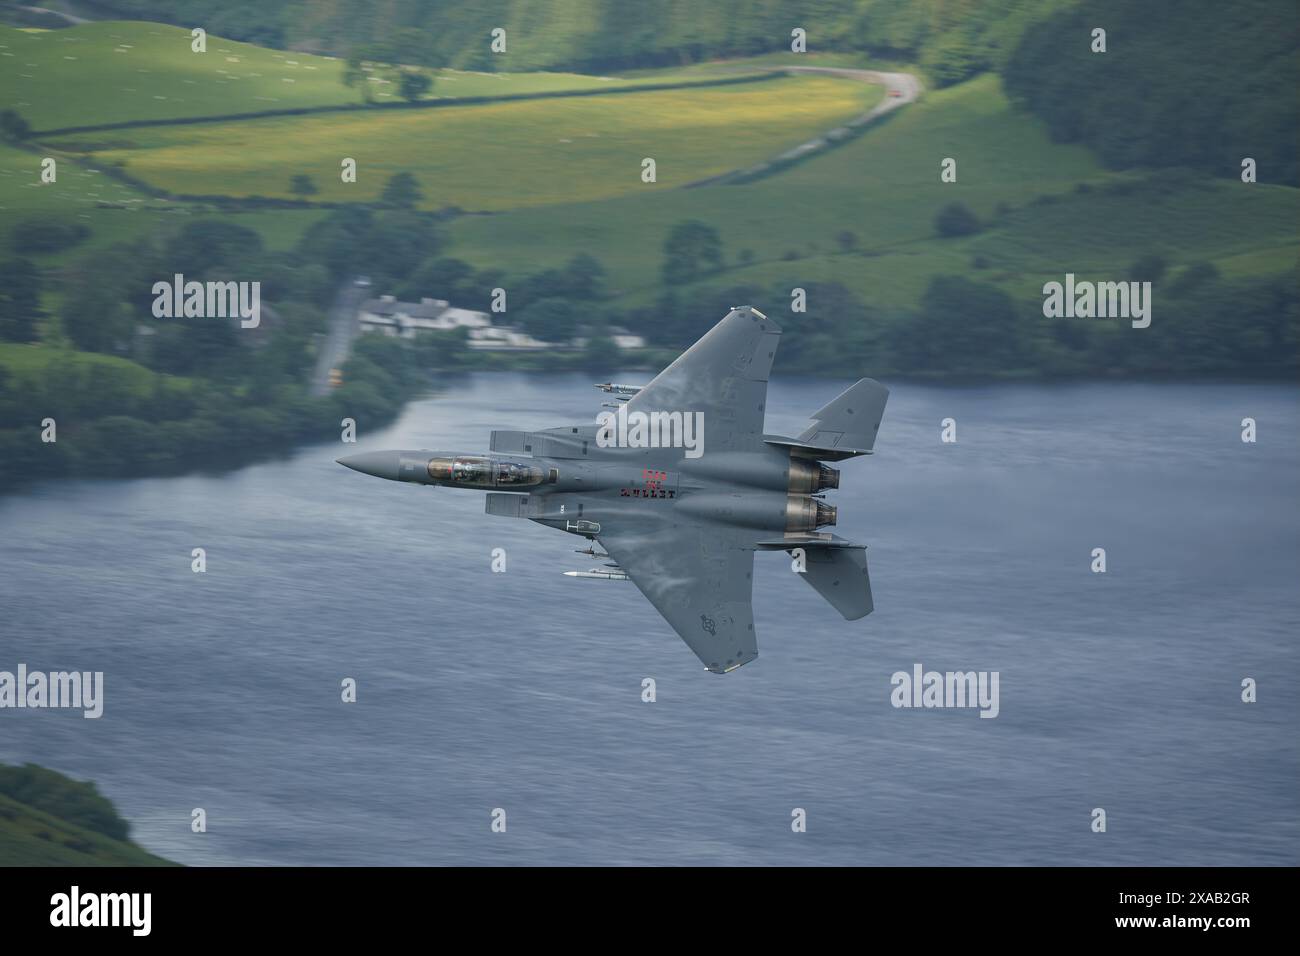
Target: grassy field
x=885 y=188
x=31 y=362
x=497 y=156
x=115 y=72
x=31 y=837
x=113 y=211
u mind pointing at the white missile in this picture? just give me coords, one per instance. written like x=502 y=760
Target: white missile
x=614 y=575
x=620 y=389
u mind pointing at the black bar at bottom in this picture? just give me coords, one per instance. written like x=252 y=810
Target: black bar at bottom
x=240 y=904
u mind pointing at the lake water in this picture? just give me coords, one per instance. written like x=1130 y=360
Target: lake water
x=522 y=690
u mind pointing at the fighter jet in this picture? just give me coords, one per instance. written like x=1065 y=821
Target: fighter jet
x=680 y=486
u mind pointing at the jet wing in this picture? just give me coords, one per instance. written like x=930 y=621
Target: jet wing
x=724 y=376
x=700 y=578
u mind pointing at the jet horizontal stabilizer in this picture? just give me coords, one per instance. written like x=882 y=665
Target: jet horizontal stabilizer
x=845 y=427
x=817 y=452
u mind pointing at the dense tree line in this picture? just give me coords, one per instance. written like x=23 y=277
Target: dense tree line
x=199 y=395
x=1203 y=325
x=74 y=801
x=952 y=39
x=1195 y=84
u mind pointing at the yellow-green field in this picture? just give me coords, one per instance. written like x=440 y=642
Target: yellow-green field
x=494 y=156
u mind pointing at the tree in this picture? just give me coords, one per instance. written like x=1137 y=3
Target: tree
x=20 y=300
x=301 y=185
x=12 y=126
x=352 y=71
x=954 y=220
x=338 y=240
x=97 y=288
x=413 y=85
x=692 y=250
x=602 y=354
x=551 y=320
x=398 y=240
x=443 y=278
x=963 y=327
x=357 y=73
x=848 y=240
x=442 y=349
x=585 y=277
x=402 y=191
x=211 y=246
x=1148 y=268
x=47 y=235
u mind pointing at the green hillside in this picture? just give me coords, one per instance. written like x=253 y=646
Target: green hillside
x=47 y=819
x=110 y=72
x=885 y=188
x=116 y=72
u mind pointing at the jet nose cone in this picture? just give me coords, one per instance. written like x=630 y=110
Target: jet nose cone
x=380 y=464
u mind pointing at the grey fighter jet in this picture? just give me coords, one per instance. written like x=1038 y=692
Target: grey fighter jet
x=680 y=486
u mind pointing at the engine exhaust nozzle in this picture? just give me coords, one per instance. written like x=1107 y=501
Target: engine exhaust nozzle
x=825 y=514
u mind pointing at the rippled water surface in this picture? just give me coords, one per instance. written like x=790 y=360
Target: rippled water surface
x=523 y=690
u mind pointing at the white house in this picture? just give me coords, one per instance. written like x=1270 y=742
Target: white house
x=388 y=316
x=391 y=317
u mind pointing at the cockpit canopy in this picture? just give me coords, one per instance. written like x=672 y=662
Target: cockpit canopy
x=474 y=471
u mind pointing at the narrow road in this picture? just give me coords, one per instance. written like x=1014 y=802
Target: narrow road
x=344 y=328
x=907 y=87
x=71 y=18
